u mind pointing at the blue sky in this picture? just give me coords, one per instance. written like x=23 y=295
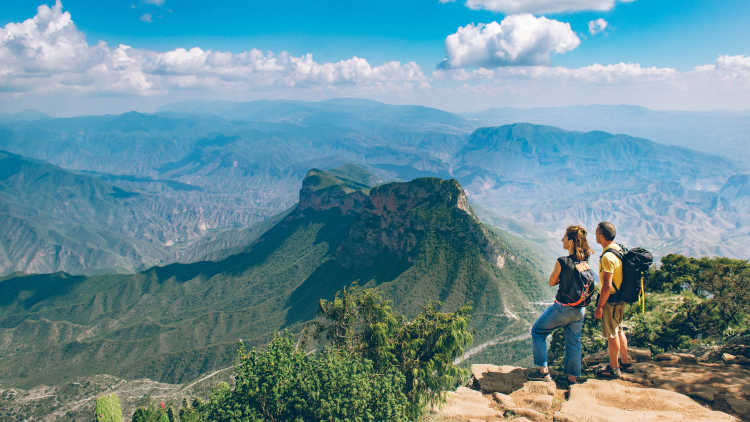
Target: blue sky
x=669 y=38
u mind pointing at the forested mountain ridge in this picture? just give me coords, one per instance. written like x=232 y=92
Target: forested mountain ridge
x=416 y=241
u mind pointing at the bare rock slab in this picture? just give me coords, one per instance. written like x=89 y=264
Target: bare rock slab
x=611 y=401
x=501 y=379
x=466 y=404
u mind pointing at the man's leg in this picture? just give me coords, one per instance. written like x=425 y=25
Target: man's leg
x=613 y=347
x=624 y=355
x=610 y=328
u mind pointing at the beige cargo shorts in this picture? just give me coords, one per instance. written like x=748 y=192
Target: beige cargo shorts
x=612 y=318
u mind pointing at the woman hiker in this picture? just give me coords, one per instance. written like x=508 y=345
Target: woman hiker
x=576 y=283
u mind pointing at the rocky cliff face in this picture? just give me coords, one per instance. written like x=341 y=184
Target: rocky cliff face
x=395 y=218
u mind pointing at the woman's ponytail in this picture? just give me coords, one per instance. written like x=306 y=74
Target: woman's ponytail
x=581 y=249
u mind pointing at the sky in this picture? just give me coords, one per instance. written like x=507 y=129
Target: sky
x=108 y=56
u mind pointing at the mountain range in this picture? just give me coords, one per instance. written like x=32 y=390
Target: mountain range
x=724 y=133
x=202 y=174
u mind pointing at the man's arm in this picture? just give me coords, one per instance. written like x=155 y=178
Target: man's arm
x=554 y=278
x=604 y=295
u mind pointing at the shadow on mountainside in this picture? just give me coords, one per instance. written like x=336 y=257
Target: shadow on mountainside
x=36 y=288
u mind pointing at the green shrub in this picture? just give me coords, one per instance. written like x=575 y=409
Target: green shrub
x=150 y=414
x=108 y=409
x=378 y=366
x=282 y=383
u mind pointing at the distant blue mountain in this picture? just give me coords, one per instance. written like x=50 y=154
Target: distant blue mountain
x=724 y=133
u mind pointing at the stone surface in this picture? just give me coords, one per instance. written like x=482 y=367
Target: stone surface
x=610 y=401
x=501 y=379
x=541 y=403
x=466 y=404
x=723 y=387
x=530 y=414
x=739 y=406
x=676 y=358
x=505 y=401
x=540 y=387
x=637 y=354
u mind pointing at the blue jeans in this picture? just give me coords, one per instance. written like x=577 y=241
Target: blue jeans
x=557 y=316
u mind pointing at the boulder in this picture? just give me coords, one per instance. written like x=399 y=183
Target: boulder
x=610 y=401
x=500 y=379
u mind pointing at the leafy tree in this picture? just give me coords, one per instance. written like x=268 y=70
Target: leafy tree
x=423 y=349
x=108 y=409
x=722 y=281
x=677 y=273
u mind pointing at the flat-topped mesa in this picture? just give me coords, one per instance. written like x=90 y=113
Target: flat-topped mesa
x=397 y=220
x=323 y=191
x=426 y=191
x=326 y=190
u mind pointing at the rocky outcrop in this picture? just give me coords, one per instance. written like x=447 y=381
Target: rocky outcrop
x=722 y=386
x=500 y=393
x=392 y=219
x=323 y=191
x=611 y=401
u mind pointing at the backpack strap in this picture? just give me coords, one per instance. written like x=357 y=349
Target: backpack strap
x=619 y=256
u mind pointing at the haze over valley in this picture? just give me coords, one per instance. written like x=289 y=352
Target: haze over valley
x=136 y=190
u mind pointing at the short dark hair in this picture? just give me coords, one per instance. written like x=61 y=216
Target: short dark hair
x=607 y=230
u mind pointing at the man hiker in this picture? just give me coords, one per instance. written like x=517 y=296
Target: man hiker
x=611 y=313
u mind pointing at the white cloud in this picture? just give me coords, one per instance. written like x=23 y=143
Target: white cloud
x=736 y=67
x=146 y=17
x=155 y=2
x=595 y=73
x=46 y=63
x=539 y=7
x=597 y=26
x=517 y=40
x=47 y=53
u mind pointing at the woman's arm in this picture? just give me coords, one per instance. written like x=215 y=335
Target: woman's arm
x=554 y=278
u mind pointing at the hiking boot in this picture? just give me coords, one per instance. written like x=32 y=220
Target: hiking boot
x=627 y=367
x=565 y=383
x=610 y=373
x=538 y=375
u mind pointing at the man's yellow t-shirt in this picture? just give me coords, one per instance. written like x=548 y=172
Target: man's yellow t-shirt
x=610 y=263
